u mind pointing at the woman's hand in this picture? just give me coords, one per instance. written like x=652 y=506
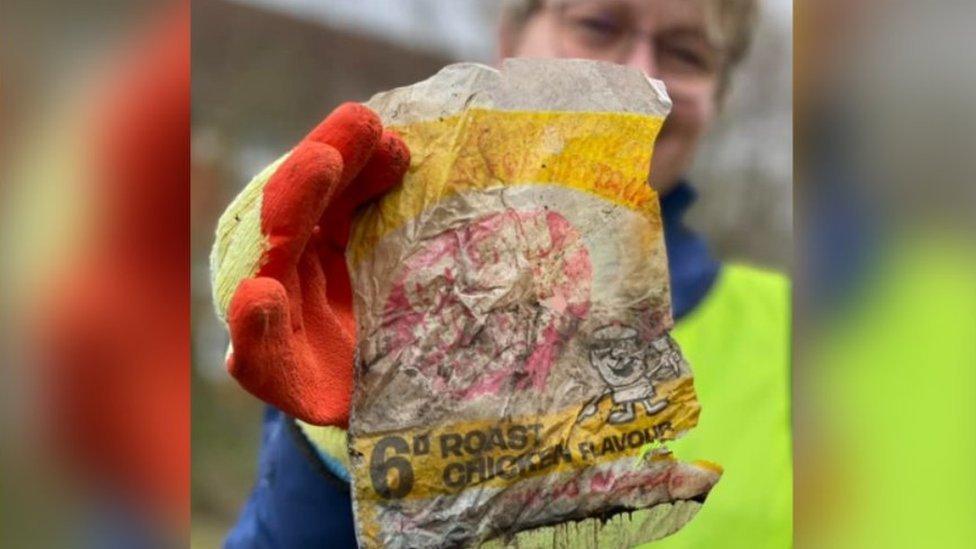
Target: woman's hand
x=291 y=325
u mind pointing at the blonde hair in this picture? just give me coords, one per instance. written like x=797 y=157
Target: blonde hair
x=731 y=26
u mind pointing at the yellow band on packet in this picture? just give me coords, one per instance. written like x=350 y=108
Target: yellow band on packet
x=514 y=363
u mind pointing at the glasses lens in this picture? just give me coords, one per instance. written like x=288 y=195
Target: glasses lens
x=594 y=30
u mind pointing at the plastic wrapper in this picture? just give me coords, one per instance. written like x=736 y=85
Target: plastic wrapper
x=515 y=380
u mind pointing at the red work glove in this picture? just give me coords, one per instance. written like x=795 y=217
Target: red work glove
x=291 y=325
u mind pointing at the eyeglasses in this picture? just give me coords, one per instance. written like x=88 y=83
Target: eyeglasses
x=606 y=31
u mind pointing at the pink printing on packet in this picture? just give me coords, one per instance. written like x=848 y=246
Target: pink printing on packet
x=489 y=306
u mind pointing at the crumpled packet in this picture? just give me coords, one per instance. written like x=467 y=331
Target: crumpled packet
x=515 y=380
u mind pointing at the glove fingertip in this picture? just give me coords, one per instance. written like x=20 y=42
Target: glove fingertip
x=259 y=322
x=257 y=311
x=398 y=152
x=293 y=201
x=354 y=130
x=384 y=171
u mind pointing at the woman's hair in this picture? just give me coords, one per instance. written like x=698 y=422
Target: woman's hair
x=731 y=25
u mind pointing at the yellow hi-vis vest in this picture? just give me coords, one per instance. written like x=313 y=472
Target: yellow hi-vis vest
x=738 y=343
x=892 y=381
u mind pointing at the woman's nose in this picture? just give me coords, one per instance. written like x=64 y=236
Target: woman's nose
x=642 y=57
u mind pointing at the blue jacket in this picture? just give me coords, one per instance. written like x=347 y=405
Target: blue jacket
x=298 y=503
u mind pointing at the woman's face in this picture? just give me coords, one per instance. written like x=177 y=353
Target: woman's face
x=666 y=39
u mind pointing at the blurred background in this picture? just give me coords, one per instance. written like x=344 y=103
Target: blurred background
x=94 y=206
x=266 y=71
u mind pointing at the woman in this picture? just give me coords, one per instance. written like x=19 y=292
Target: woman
x=732 y=321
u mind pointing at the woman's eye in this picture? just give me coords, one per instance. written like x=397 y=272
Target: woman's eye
x=598 y=29
x=599 y=25
x=687 y=57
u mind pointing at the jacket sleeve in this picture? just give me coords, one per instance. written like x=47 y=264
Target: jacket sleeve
x=295 y=501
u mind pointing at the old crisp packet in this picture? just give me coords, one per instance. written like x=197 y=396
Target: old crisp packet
x=515 y=376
